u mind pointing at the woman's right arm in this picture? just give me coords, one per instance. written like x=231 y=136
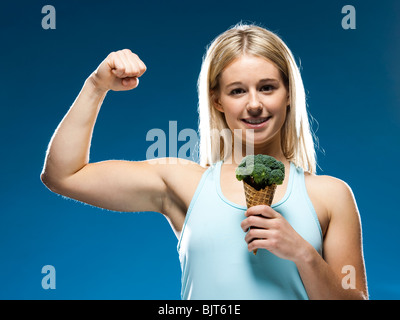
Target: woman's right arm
x=114 y=185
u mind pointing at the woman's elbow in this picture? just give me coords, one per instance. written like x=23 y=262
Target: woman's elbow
x=50 y=182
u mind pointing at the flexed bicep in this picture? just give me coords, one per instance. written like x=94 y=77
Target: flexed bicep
x=117 y=185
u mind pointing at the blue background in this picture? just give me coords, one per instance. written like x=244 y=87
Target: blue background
x=351 y=78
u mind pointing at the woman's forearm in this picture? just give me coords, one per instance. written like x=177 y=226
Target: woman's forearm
x=69 y=146
x=320 y=281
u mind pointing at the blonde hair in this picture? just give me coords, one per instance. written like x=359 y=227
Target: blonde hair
x=296 y=137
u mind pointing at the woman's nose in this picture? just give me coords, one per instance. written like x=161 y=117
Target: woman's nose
x=254 y=106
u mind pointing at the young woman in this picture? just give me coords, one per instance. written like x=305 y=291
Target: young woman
x=309 y=241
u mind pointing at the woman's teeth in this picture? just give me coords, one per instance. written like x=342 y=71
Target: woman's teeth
x=255 y=121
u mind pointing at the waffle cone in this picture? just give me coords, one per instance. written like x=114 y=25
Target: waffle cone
x=256 y=197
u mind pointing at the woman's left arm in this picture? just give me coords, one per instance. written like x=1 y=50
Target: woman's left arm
x=340 y=274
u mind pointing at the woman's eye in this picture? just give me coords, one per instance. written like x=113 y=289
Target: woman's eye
x=267 y=88
x=236 y=91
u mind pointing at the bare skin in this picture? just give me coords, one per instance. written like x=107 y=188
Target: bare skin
x=168 y=188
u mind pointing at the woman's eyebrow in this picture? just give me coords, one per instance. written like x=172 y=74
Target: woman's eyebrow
x=262 y=80
x=269 y=80
x=234 y=84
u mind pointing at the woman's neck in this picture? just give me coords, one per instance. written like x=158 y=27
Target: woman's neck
x=272 y=148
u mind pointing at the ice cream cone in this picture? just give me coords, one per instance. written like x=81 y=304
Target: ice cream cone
x=256 y=197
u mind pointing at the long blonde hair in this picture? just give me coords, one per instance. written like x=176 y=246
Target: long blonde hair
x=296 y=137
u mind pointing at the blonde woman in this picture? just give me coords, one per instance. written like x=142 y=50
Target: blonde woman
x=309 y=241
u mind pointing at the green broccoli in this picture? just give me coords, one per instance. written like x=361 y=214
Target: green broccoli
x=260 y=171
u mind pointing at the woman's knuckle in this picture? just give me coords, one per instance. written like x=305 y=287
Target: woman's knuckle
x=252 y=233
x=274 y=234
x=274 y=243
x=251 y=246
x=135 y=71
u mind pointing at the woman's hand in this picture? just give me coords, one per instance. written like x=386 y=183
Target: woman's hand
x=270 y=231
x=120 y=71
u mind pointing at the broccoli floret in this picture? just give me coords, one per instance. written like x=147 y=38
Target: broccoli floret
x=260 y=171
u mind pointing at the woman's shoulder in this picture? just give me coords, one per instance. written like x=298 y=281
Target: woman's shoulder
x=328 y=184
x=180 y=175
x=333 y=193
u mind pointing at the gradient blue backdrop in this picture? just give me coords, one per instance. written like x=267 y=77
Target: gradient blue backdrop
x=351 y=78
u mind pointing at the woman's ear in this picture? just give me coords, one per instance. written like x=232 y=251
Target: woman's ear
x=216 y=102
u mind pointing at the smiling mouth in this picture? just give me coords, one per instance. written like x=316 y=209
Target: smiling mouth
x=256 y=120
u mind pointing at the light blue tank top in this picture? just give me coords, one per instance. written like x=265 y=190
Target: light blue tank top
x=213 y=254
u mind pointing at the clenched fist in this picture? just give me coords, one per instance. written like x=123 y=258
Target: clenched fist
x=120 y=71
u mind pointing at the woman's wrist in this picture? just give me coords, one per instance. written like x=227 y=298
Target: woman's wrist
x=306 y=255
x=94 y=85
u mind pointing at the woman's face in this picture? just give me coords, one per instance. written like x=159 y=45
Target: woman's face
x=252 y=95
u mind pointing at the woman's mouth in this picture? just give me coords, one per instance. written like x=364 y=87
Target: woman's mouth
x=255 y=123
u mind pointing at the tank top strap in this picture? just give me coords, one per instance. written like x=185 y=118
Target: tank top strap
x=299 y=184
x=203 y=181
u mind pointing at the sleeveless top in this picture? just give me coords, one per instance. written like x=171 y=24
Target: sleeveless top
x=213 y=254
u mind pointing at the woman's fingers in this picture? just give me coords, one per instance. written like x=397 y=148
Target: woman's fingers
x=262 y=210
x=262 y=227
x=126 y=64
x=255 y=233
x=119 y=71
x=130 y=82
x=260 y=239
x=255 y=221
